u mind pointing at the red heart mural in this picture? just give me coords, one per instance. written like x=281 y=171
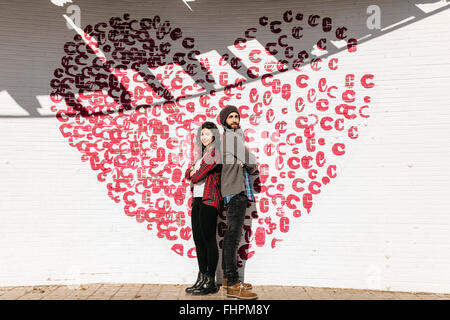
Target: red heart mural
x=131 y=93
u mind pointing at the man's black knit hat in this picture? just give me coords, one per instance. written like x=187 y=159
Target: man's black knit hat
x=225 y=112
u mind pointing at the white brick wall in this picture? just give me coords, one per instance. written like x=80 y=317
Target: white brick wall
x=382 y=223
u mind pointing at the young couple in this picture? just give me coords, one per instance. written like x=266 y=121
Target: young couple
x=220 y=173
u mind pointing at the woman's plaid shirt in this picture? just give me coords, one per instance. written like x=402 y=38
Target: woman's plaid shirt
x=210 y=169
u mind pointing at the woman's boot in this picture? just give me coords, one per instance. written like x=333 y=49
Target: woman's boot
x=201 y=277
x=209 y=286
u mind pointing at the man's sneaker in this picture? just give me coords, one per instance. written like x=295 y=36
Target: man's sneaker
x=247 y=286
x=238 y=291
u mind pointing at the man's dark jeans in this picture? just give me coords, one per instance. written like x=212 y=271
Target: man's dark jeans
x=235 y=221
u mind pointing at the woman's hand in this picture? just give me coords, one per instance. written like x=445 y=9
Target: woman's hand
x=193 y=171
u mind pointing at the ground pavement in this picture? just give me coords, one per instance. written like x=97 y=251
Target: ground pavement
x=113 y=291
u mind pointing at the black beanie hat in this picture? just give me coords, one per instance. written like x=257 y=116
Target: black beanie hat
x=225 y=112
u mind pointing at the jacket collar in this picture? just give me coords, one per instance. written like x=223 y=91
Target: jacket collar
x=238 y=131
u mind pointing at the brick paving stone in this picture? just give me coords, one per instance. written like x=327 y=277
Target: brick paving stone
x=354 y=294
x=384 y=295
x=296 y=293
x=169 y=292
x=151 y=287
x=4 y=291
x=15 y=293
x=425 y=296
x=259 y=290
x=186 y=296
x=212 y=296
x=351 y=294
x=105 y=292
x=406 y=296
x=190 y=297
x=170 y=288
x=179 y=292
x=319 y=293
x=148 y=292
x=165 y=296
x=83 y=292
x=127 y=292
x=272 y=293
x=38 y=292
x=334 y=293
x=60 y=293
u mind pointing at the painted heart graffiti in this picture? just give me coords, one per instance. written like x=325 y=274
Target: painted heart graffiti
x=130 y=95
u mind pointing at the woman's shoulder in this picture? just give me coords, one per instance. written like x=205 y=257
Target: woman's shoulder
x=212 y=153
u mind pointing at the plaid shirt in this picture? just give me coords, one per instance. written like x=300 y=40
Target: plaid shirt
x=248 y=189
x=210 y=170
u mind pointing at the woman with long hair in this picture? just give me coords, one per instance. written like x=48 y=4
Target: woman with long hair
x=204 y=175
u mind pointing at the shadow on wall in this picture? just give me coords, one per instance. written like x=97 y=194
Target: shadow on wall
x=33 y=34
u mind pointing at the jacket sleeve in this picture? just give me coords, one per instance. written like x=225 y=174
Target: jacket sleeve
x=250 y=163
x=208 y=163
x=246 y=156
x=254 y=171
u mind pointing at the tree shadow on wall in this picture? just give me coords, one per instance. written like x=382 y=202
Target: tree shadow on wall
x=34 y=34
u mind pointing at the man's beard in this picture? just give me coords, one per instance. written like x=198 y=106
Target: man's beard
x=230 y=127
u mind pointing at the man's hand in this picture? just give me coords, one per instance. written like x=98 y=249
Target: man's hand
x=251 y=172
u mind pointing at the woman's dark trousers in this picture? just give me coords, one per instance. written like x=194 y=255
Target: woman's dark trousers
x=204 y=226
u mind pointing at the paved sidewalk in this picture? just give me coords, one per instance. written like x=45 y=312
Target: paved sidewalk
x=110 y=291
